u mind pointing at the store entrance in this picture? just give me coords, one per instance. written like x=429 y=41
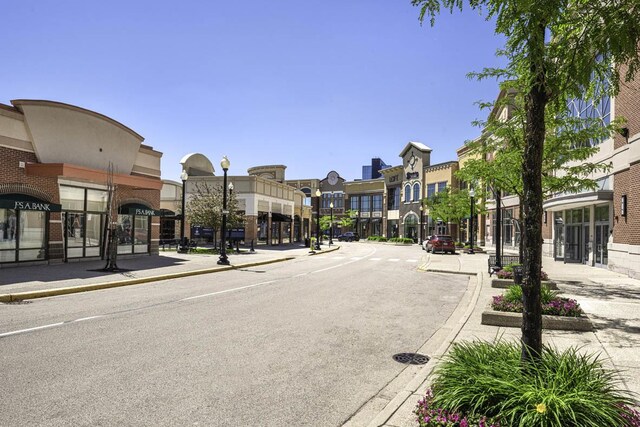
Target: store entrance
x=600 y=250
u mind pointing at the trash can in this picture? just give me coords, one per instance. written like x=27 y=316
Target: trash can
x=307 y=242
x=517 y=274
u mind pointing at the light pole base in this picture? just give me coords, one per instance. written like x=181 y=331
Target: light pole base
x=223 y=261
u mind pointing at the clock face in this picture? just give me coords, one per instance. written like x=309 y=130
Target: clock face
x=332 y=178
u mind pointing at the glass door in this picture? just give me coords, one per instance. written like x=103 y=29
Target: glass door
x=559 y=239
x=600 y=250
x=572 y=244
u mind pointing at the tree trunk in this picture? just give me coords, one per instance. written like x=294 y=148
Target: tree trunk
x=535 y=104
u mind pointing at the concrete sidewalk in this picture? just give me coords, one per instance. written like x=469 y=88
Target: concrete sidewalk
x=610 y=300
x=37 y=281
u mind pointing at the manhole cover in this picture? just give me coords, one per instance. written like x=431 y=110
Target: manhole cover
x=411 y=358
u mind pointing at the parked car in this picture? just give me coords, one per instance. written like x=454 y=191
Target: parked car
x=439 y=243
x=349 y=236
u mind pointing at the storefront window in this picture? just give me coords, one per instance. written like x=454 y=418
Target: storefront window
x=75 y=234
x=84 y=220
x=8 y=230
x=141 y=234
x=32 y=235
x=123 y=234
x=22 y=235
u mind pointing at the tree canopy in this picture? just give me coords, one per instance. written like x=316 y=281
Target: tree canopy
x=204 y=207
x=556 y=50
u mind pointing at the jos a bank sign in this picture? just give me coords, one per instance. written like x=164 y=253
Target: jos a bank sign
x=30 y=206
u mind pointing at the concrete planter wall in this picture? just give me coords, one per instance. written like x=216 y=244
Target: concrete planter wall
x=514 y=320
x=505 y=283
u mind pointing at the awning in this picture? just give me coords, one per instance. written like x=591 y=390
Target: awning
x=277 y=217
x=27 y=203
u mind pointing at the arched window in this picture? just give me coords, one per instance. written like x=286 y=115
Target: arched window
x=416 y=192
x=407 y=193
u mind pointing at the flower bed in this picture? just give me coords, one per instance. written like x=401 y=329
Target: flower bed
x=482 y=384
x=556 y=307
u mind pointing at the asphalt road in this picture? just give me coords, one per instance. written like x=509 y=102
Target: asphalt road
x=300 y=343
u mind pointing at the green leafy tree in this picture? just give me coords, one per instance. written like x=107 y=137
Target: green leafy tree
x=496 y=157
x=348 y=219
x=325 y=222
x=451 y=206
x=555 y=50
x=204 y=207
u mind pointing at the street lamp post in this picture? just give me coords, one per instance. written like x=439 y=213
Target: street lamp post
x=223 y=260
x=421 y=224
x=472 y=194
x=318 y=194
x=183 y=245
x=331 y=225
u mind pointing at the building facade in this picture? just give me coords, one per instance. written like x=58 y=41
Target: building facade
x=65 y=172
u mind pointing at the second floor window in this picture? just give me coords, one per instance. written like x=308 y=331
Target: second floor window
x=416 y=192
x=407 y=193
x=365 y=204
x=431 y=190
x=442 y=186
x=377 y=202
x=393 y=199
x=354 y=203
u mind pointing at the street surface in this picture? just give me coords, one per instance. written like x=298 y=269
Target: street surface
x=300 y=343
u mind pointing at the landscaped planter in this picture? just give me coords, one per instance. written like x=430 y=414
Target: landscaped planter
x=505 y=283
x=514 y=320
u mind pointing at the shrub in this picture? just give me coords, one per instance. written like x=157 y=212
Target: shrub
x=507 y=273
x=482 y=382
x=404 y=240
x=556 y=307
x=514 y=294
x=377 y=238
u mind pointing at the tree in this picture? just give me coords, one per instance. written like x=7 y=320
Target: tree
x=496 y=157
x=450 y=206
x=325 y=222
x=348 y=219
x=204 y=207
x=556 y=50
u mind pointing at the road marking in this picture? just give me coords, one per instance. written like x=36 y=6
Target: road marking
x=87 y=318
x=412 y=260
x=228 y=290
x=21 y=331
x=52 y=325
x=393 y=260
x=356 y=258
x=375 y=259
x=301 y=274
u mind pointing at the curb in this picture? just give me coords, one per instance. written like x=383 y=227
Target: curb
x=423 y=375
x=19 y=296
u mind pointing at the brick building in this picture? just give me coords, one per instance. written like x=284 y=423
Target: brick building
x=54 y=195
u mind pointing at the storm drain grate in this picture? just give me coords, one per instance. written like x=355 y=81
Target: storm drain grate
x=18 y=302
x=411 y=358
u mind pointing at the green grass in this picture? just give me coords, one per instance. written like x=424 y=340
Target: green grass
x=565 y=389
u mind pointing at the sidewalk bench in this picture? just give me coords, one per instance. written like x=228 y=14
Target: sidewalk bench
x=169 y=242
x=506 y=260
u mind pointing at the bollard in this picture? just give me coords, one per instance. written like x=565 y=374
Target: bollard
x=252 y=251
x=237 y=246
x=517 y=274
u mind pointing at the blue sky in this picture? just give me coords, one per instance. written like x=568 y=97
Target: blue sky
x=314 y=85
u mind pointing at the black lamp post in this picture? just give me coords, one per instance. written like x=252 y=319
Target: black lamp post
x=421 y=224
x=183 y=245
x=472 y=194
x=318 y=194
x=223 y=260
x=331 y=227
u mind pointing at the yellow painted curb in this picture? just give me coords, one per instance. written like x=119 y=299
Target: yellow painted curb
x=19 y=296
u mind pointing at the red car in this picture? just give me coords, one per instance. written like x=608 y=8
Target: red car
x=439 y=243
